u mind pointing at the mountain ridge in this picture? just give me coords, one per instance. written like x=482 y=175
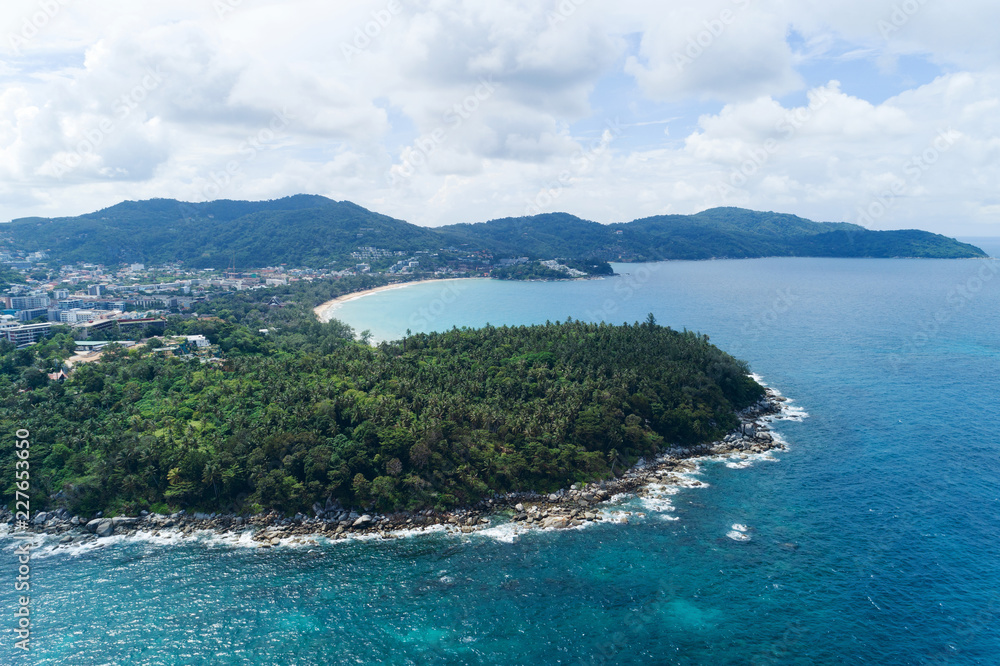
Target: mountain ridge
x=312 y=230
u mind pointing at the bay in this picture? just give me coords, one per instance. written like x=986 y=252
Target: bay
x=873 y=538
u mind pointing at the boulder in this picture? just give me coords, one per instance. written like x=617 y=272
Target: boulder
x=363 y=521
x=556 y=522
x=75 y=520
x=124 y=521
x=519 y=507
x=104 y=528
x=40 y=518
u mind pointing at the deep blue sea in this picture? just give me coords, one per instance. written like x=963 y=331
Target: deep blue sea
x=875 y=538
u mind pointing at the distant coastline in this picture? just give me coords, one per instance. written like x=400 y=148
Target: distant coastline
x=325 y=310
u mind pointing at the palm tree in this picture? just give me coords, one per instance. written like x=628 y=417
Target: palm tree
x=212 y=474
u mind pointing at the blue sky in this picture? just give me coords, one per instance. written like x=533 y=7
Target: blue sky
x=883 y=113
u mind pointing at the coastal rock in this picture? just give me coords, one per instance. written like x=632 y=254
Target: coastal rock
x=555 y=522
x=519 y=507
x=75 y=520
x=105 y=528
x=40 y=518
x=363 y=521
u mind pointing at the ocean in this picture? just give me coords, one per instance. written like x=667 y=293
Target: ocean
x=872 y=539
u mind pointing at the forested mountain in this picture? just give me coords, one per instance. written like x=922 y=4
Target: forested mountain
x=300 y=231
x=314 y=231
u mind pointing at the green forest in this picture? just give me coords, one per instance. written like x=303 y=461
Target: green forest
x=314 y=231
x=309 y=413
x=9 y=277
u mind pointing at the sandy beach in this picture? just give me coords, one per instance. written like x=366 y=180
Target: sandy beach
x=325 y=311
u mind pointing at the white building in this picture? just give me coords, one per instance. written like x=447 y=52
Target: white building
x=77 y=315
x=198 y=340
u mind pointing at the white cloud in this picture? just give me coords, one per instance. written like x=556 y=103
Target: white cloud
x=104 y=101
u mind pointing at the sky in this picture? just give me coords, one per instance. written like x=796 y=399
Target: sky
x=884 y=113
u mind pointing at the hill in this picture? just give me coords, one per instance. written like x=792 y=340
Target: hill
x=307 y=230
x=432 y=421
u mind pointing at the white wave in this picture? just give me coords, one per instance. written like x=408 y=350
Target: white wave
x=505 y=533
x=656 y=504
x=739 y=527
x=791 y=412
x=738 y=536
x=687 y=479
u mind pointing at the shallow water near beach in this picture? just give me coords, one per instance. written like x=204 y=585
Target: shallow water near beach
x=872 y=539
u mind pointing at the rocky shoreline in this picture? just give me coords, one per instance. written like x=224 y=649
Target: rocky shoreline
x=573 y=507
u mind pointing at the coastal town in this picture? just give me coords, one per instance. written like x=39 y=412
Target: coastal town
x=132 y=302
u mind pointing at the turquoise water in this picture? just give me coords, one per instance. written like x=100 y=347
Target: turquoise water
x=874 y=537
